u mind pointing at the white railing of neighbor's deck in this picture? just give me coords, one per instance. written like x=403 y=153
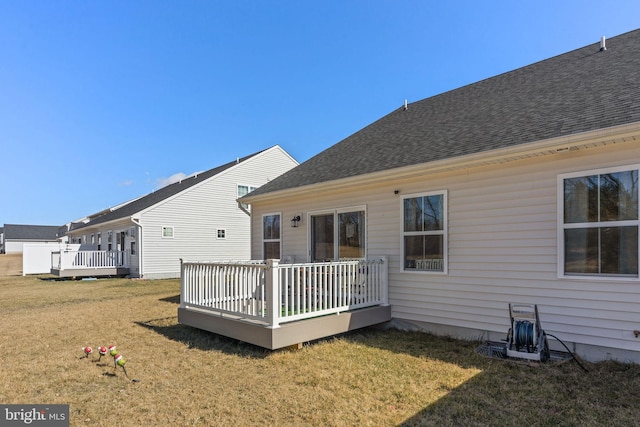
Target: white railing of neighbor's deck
x=297 y=291
x=89 y=259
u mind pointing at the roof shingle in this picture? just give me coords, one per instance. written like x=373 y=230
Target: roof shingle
x=135 y=206
x=30 y=232
x=579 y=91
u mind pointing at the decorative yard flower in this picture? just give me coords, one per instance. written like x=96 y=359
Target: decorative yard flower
x=120 y=361
x=87 y=351
x=113 y=352
x=102 y=350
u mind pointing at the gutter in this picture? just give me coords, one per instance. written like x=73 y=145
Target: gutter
x=139 y=241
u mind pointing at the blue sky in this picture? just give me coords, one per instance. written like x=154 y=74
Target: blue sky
x=101 y=102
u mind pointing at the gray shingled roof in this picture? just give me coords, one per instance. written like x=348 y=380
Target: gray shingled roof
x=582 y=90
x=31 y=232
x=157 y=196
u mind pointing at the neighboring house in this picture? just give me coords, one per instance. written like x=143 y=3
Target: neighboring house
x=197 y=218
x=16 y=235
x=521 y=188
x=1 y=240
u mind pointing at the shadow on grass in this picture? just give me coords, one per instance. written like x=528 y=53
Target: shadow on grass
x=418 y=344
x=55 y=279
x=500 y=393
x=202 y=340
x=512 y=392
x=199 y=339
x=551 y=394
x=175 y=299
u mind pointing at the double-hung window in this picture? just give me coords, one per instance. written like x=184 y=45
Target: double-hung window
x=271 y=236
x=243 y=190
x=598 y=218
x=424 y=232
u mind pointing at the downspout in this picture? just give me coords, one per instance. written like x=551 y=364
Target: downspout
x=139 y=241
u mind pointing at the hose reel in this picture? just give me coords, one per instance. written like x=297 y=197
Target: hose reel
x=526 y=339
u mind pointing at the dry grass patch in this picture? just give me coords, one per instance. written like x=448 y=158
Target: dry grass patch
x=10 y=264
x=190 y=377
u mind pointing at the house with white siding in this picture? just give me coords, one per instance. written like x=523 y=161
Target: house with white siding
x=197 y=218
x=13 y=237
x=521 y=188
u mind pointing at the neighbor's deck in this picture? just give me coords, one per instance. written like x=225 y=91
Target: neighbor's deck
x=309 y=300
x=89 y=263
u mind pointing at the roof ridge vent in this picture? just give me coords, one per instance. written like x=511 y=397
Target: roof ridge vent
x=603 y=45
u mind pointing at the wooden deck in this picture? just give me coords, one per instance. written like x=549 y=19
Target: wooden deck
x=260 y=334
x=73 y=263
x=310 y=300
x=91 y=272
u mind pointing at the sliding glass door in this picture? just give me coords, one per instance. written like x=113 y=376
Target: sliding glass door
x=338 y=235
x=322 y=230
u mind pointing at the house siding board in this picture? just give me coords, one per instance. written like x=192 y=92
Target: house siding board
x=15 y=236
x=197 y=214
x=13 y=247
x=194 y=216
x=502 y=249
x=195 y=207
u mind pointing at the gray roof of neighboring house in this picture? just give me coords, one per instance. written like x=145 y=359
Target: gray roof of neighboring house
x=157 y=196
x=31 y=232
x=582 y=90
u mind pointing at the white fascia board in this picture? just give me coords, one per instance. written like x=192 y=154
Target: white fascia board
x=98 y=227
x=283 y=151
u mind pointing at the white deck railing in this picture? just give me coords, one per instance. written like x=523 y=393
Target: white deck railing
x=66 y=260
x=275 y=293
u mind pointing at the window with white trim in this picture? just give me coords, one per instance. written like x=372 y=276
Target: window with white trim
x=243 y=190
x=221 y=233
x=271 y=236
x=424 y=232
x=167 y=232
x=598 y=223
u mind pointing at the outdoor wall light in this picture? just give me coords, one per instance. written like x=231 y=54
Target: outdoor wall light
x=294 y=221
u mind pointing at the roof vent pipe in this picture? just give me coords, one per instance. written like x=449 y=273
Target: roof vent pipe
x=405 y=104
x=602 y=44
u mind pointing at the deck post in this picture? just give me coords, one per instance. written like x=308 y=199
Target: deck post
x=271 y=279
x=183 y=288
x=385 y=280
